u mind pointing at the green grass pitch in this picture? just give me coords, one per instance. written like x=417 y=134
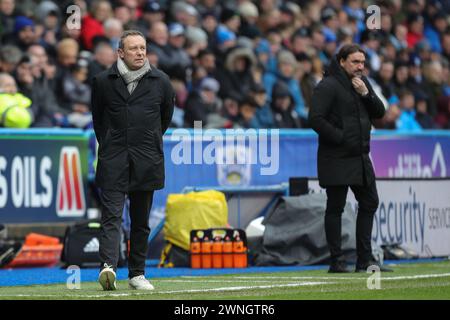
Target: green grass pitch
x=422 y=281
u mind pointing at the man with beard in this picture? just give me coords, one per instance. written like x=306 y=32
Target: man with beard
x=343 y=106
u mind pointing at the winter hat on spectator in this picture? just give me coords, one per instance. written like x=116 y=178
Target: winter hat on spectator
x=181 y=6
x=328 y=13
x=176 y=29
x=419 y=95
x=393 y=100
x=285 y=56
x=210 y=84
x=414 y=61
x=258 y=88
x=195 y=35
x=262 y=47
x=248 y=9
x=22 y=22
x=330 y=36
x=228 y=14
x=223 y=35
x=280 y=90
x=152 y=6
x=287 y=10
x=302 y=32
x=45 y=8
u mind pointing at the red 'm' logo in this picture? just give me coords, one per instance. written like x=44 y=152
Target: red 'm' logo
x=70 y=200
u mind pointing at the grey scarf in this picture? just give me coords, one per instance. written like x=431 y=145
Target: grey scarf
x=132 y=77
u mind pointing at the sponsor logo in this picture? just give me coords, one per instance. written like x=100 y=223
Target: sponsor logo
x=92 y=246
x=70 y=200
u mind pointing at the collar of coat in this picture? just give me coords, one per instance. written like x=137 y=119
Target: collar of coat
x=114 y=71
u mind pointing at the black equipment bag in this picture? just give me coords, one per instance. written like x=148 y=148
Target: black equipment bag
x=81 y=245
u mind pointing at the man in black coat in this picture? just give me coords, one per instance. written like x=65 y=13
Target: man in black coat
x=132 y=106
x=343 y=105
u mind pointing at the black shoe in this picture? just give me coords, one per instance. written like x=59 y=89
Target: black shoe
x=363 y=267
x=338 y=267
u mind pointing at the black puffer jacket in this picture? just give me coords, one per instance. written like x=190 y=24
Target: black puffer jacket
x=342 y=118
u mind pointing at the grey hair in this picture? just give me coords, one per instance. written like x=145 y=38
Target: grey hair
x=128 y=33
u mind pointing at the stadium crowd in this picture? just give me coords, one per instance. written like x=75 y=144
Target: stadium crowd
x=235 y=63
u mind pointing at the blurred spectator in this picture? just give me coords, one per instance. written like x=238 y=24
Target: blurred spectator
x=152 y=12
x=209 y=24
x=8 y=15
x=44 y=106
x=230 y=109
x=9 y=58
x=300 y=43
x=48 y=14
x=92 y=24
x=422 y=116
x=113 y=29
x=76 y=93
x=24 y=33
x=263 y=117
x=236 y=75
x=384 y=78
x=407 y=119
x=371 y=44
x=77 y=97
x=283 y=107
x=207 y=60
x=415 y=79
x=104 y=57
x=392 y=114
x=209 y=6
x=434 y=29
x=67 y=56
x=401 y=77
x=434 y=79
x=177 y=40
x=196 y=41
x=247 y=112
x=287 y=65
x=249 y=17
x=415 y=29
x=446 y=44
x=203 y=103
x=442 y=118
x=184 y=13
x=230 y=19
x=15 y=109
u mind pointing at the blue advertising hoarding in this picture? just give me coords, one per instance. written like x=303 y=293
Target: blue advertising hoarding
x=43 y=175
x=44 y=172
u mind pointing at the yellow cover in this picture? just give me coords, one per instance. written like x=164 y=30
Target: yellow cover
x=194 y=210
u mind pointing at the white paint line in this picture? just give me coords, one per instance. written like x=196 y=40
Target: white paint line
x=222 y=289
x=383 y=277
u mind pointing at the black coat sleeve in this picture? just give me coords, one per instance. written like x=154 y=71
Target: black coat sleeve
x=167 y=105
x=321 y=103
x=97 y=110
x=374 y=105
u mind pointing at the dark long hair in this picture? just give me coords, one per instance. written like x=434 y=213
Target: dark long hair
x=347 y=50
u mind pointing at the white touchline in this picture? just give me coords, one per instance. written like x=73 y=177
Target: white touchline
x=422 y=276
x=299 y=284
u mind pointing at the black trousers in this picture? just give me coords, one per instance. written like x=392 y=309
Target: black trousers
x=367 y=198
x=140 y=205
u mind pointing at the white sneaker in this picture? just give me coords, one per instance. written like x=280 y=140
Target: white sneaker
x=107 y=278
x=140 y=283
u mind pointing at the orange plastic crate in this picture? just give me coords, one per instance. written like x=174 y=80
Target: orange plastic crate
x=37 y=256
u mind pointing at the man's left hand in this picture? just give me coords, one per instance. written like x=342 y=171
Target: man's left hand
x=360 y=86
